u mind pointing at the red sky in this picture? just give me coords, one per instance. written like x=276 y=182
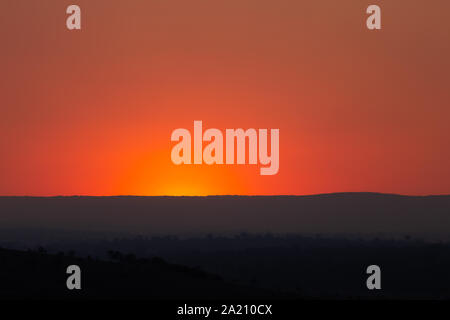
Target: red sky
x=91 y=111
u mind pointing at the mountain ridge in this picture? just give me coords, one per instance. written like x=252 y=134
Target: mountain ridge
x=324 y=213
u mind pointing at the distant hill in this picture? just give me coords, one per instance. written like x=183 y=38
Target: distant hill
x=326 y=213
x=37 y=275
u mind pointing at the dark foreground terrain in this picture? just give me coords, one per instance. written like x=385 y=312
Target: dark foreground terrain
x=227 y=247
x=38 y=275
x=240 y=267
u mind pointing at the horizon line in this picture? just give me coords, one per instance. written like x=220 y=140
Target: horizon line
x=223 y=195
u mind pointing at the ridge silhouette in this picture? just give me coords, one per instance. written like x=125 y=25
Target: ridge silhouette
x=324 y=213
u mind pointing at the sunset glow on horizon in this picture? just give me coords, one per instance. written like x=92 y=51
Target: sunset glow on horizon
x=91 y=112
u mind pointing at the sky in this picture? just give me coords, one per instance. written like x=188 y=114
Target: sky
x=91 y=112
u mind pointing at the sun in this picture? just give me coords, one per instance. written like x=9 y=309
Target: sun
x=183 y=190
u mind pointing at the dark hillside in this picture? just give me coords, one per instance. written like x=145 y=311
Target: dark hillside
x=37 y=275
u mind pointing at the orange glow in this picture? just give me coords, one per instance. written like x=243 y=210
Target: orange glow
x=91 y=112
